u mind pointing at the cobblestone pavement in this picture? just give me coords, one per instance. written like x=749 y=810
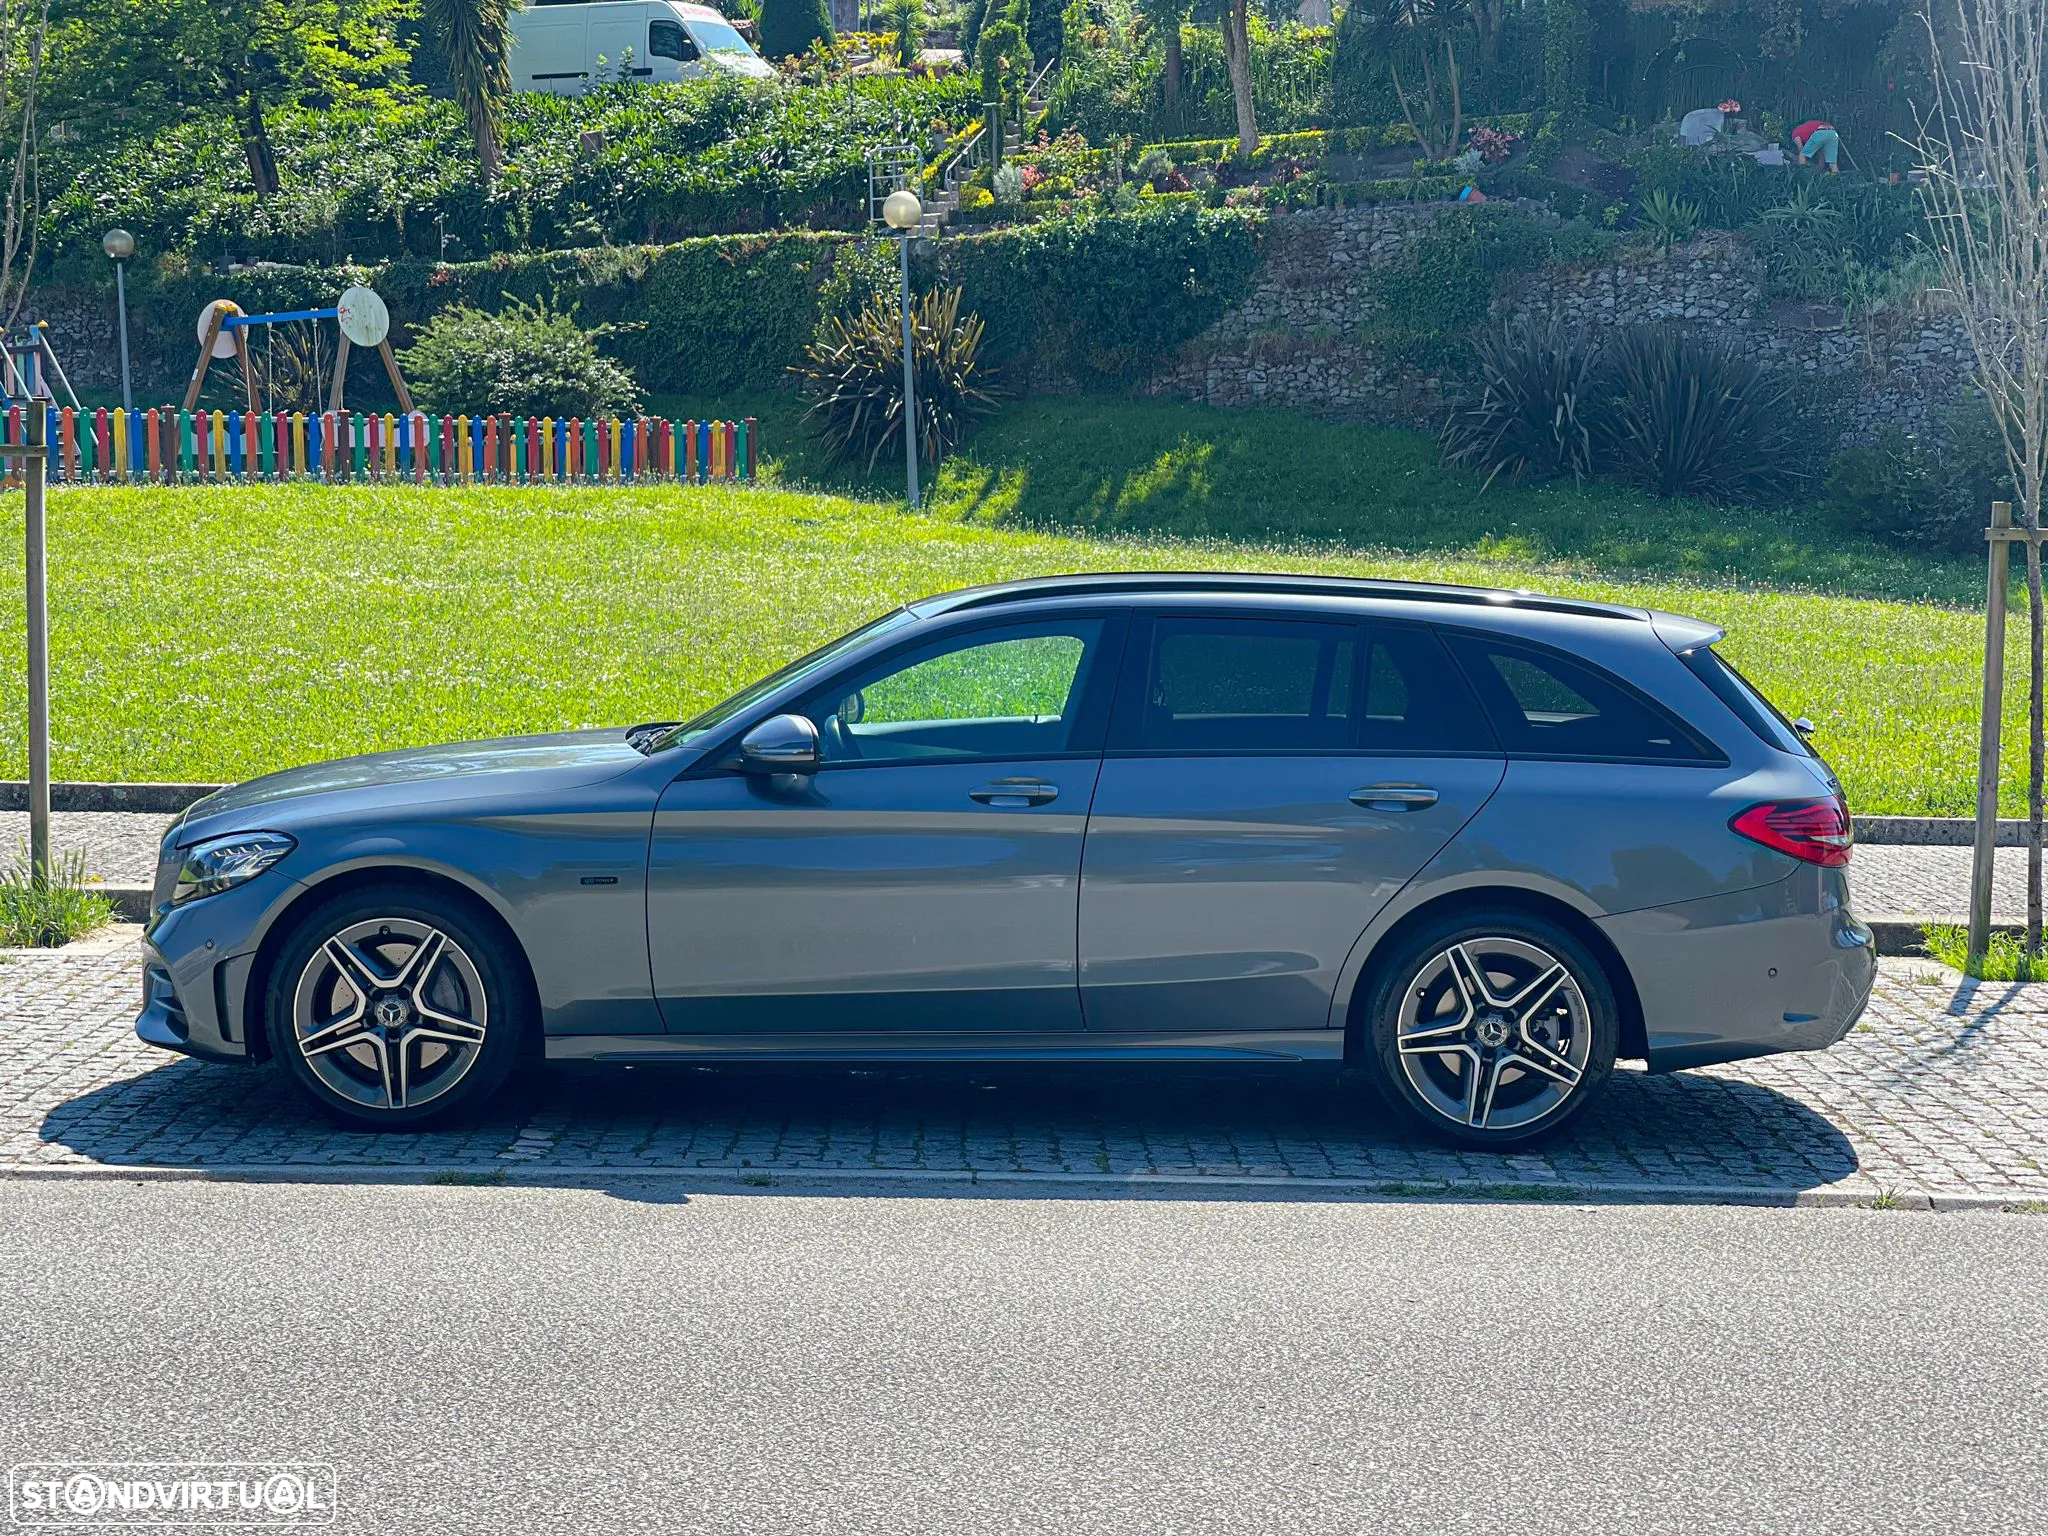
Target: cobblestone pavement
x=1940 y=1092
x=1888 y=881
x=120 y=846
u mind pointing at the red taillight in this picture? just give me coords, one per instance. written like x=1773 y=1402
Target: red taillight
x=1817 y=831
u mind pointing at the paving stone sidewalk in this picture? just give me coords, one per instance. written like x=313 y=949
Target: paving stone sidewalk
x=1941 y=1093
x=1887 y=881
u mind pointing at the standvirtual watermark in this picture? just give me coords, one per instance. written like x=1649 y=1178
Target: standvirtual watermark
x=159 y=1493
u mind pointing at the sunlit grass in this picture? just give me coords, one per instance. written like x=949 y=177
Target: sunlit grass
x=2004 y=958
x=214 y=634
x=39 y=911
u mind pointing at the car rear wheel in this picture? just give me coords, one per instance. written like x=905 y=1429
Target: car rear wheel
x=391 y=1011
x=1492 y=1029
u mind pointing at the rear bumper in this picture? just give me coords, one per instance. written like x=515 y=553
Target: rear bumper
x=1784 y=967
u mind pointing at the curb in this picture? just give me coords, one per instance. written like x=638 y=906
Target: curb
x=160 y=799
x=794 y=1181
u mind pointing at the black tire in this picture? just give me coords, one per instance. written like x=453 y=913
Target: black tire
x=1532 y=1063
x=421 y=1049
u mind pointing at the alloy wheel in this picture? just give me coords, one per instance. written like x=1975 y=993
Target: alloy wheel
x=390 y=1013
x=1494 y=1034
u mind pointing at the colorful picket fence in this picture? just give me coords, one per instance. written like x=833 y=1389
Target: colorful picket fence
x=169 y=446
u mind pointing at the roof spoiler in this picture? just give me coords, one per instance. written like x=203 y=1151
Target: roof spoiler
x=1682 y=634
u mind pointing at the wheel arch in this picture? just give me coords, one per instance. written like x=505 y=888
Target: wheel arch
x=427 y=884
x=1634 y=1041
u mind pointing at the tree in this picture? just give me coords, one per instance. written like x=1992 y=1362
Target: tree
x=1984 y=144
x=1163 y=21
x=149 y=63
x=24 y=35
x=476 y=39
x=1237 y=55
x=789 y=27
x=1567 y=34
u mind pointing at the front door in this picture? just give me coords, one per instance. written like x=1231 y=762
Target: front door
x=1270 y=784
x=925 y=878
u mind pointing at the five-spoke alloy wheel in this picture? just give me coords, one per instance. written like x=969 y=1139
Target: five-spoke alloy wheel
x=1492 y=1031
x=389 y=1013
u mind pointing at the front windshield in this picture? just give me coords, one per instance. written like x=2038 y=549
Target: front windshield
x=717 y=37
x=719 y=715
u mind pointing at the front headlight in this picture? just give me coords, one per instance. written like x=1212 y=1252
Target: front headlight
x=222 y=862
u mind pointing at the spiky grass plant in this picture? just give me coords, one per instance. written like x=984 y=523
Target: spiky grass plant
x=39 y=911
x=1529 y=416
x=853 y=374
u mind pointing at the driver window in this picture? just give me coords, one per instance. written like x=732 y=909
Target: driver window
x=996 y=693
x=667 y=40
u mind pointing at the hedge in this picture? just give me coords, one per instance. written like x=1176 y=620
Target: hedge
x=1105 y=298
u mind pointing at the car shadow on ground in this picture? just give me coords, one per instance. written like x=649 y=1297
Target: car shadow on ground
x=1249 y=1134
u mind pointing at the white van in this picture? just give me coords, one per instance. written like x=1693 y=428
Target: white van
x=556 y=47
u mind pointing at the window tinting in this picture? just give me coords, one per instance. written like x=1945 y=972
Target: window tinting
x=1547 y=704
x=1249 y=685
x=1013 y=692
x=1414 y=699
x=1745 y=700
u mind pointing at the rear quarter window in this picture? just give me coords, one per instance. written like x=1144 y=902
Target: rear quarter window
x=1745 y=701
x=1543 y=703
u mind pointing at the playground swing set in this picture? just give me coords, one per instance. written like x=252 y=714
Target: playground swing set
x=164 y=446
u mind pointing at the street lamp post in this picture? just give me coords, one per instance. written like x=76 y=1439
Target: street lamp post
x=119 y=246
x=902 y=212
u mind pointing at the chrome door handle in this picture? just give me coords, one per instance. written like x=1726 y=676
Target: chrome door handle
x=1013 y=794
x=1394 y=797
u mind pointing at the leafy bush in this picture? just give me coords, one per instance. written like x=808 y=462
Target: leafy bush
x=527 y=359
x=1530 y=416
x=789 y=27
x=1678 y=416
x=853 y=374
x=1106 y=297
x=1931 y=494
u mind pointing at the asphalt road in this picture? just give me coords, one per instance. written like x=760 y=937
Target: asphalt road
x=527 y=1361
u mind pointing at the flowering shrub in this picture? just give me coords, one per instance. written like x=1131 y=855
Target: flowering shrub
x=1493 y=145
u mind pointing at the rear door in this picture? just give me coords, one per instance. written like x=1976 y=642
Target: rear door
x=1270 y=783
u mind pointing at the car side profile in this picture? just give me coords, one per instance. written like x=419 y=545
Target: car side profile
x=1472 y=845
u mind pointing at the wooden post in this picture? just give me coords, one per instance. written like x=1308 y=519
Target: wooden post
x=1990 y=729
x=391 y=367
x=213 y=320
x=340 y=375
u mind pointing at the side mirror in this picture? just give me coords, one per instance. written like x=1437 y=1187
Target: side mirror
x=781 y=744
x=1803 y=726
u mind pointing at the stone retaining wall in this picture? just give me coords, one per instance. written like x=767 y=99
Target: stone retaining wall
x=1300 y=339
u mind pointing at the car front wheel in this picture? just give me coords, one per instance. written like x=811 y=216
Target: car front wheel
x=390 y=1013
x=1492 y=1029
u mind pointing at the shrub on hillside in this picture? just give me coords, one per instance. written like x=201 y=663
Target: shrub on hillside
x=853 y=375
x=527 y=359
x=1932 y=493
x=789 y=27
x=1107 y=297
x=1680 y=417
x=1530 y=415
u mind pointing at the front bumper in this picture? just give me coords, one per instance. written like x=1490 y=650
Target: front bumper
x=1784 y=967
x=196 y=963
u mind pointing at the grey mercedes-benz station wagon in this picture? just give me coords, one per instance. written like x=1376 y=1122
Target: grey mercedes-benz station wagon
x=1474 y=845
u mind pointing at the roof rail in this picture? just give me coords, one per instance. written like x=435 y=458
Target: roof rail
x=1107 y=582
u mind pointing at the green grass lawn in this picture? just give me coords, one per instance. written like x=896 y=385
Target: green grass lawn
x=215 y=634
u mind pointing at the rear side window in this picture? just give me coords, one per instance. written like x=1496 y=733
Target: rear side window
x=1415 y=701
x=1248 y=685
x=1745 y=701
x=1543 y=703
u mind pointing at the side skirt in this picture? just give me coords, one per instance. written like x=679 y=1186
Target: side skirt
x=1252 y=1047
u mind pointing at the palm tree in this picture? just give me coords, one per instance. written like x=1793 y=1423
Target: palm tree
x=1237 y=56
x=476 y=37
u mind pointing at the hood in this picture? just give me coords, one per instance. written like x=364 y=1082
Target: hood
x=750 y=66
x=564 y=757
